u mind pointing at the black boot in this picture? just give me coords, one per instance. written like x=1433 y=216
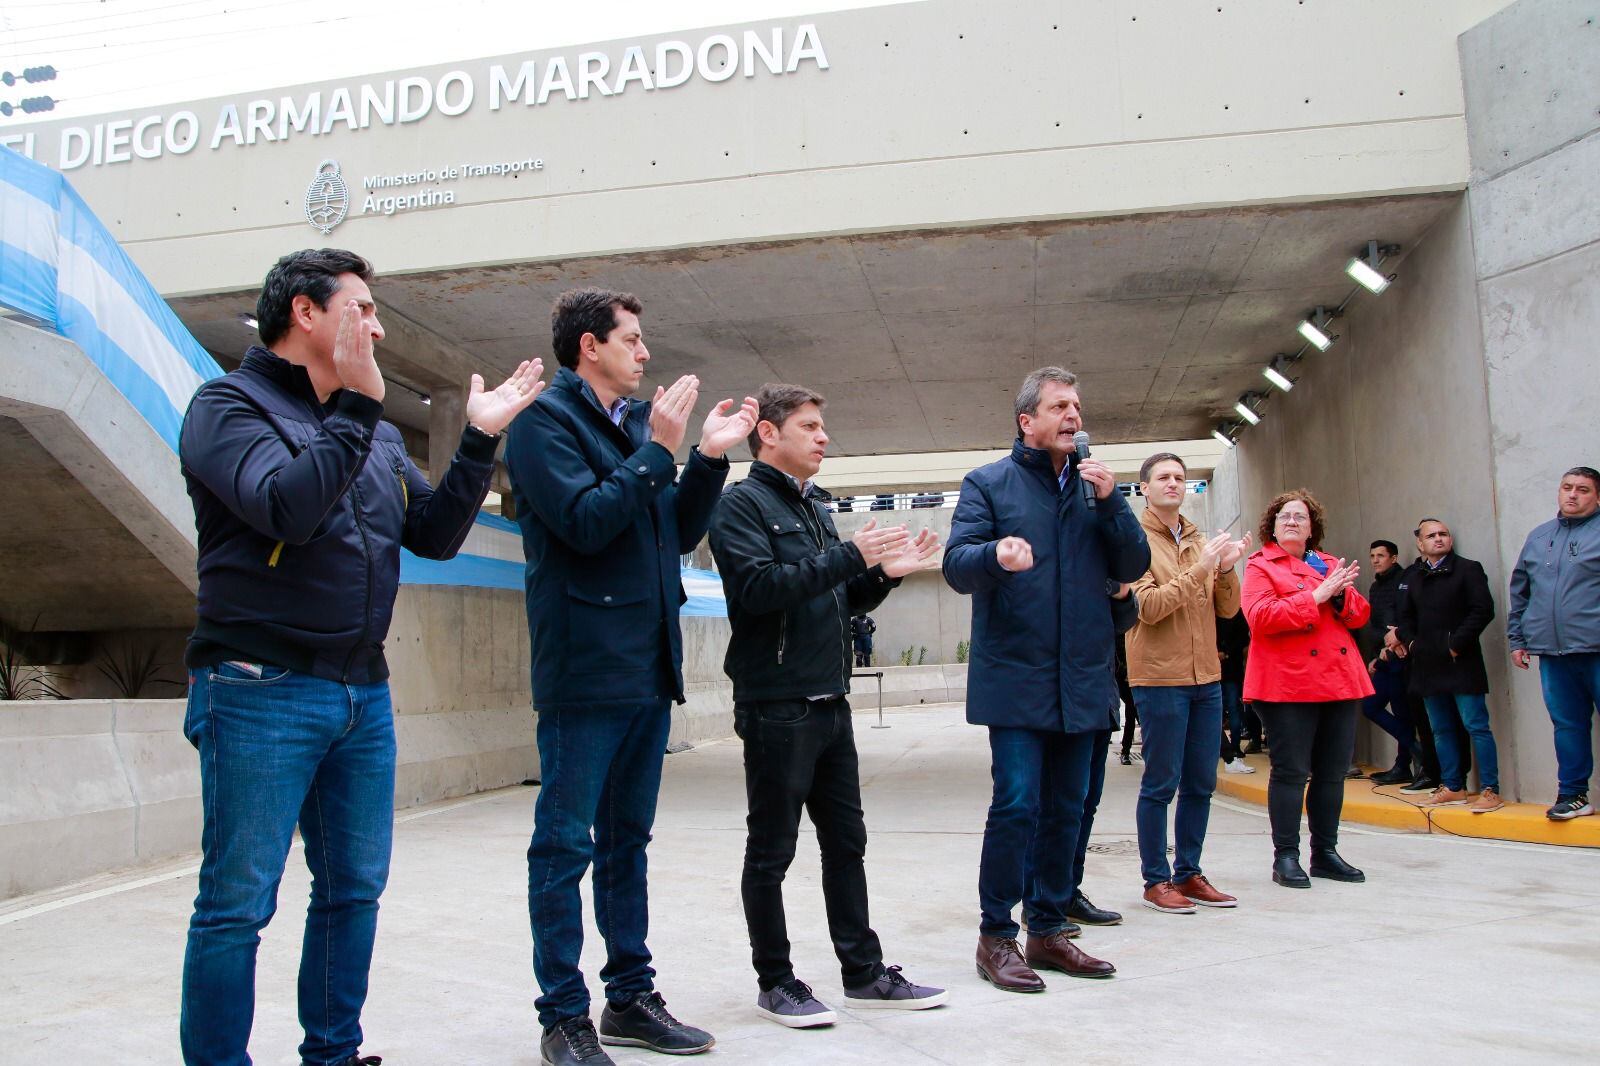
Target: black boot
x=1399 y=774
x=1327 y=863
x=1286 y=871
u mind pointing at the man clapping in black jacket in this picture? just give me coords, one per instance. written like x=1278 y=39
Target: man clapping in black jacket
x=792 y=586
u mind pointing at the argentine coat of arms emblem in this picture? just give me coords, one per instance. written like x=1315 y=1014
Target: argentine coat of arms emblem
x=327 y=198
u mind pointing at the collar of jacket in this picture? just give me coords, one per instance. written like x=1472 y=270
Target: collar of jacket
x=1447 y=564
x=770 y=475
x=1394 y=573
x=1152 y=523
x=291 y=377
x=582 y=393
x=1574 y=523
x=1038 y=460
x=1272 y=551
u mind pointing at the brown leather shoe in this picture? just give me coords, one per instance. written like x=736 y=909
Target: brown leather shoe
x=1000 y=963
x=1056 y=952
x=1164 y=897
x=1197 y=889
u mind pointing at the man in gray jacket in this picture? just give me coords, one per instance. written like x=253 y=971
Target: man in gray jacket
x=1555 y=614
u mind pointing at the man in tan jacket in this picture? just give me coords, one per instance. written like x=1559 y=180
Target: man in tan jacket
x=1174 y=672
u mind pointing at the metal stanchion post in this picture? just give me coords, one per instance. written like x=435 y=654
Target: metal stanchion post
x=879 y=675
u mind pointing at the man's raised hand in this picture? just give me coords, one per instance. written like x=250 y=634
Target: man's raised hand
x=879 y=545
x=492 y=411
x=723 y=430
x=352 y=354
x=915 y=555
x=670 y=410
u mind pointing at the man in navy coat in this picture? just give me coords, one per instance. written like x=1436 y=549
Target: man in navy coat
x=1034 y=540
x=604 y=516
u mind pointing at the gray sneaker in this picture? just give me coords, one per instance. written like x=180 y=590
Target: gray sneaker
x=792 y=1004
x=891 y=991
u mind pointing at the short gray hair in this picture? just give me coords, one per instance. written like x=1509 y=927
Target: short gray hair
x=1033 y=384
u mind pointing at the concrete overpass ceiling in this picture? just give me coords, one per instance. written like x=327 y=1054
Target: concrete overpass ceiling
x=920 y=338
x=69 y=563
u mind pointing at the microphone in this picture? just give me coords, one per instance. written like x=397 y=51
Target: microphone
x=1080 y=443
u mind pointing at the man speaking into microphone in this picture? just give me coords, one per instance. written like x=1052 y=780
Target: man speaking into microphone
x=1035 y=552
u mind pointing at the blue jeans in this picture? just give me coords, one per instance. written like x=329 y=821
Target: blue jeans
x=1388 y=707
x=600 y=769
x=1031 y=837
x=1571 y=686
x=276 y=750
x=1444 y=712
x=1182 y=730
x=1091 y=805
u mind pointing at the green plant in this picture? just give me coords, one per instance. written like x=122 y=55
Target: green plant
x=20 y=679
x=905 y=656
x=922 y=655
x=132 y=669
x=963 y=650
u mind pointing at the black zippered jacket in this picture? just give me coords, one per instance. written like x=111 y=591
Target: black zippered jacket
x=301 y=509
x=791 y=586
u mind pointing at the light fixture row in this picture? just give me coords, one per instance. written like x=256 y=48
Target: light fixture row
x=1365 y=268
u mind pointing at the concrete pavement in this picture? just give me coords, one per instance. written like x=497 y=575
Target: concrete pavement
x=1455 y=950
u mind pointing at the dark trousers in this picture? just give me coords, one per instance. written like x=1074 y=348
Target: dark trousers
x=802 y=753
x=1130 y=714
x=1390 y=709
x=1312 y=741
x=1182 y=739
x=1030 y=841
x=601 y=770
x=1091 y=804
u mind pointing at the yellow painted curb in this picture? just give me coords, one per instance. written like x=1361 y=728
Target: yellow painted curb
x=1382 y=805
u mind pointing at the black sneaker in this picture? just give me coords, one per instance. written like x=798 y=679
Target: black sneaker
x=363 y=1060
x=1081 y=910
x=1422 y=783
x=792 y=1004
x=571 y=1042
x=1569 y=808
x=645 y=1022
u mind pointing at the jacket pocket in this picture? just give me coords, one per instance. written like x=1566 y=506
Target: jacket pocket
x=603 y=597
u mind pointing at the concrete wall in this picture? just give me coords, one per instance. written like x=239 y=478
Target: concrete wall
x=1534 y=132
x=996 y=112
x=1467 y=388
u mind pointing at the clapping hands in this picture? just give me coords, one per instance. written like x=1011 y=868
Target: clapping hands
x=1341 y=577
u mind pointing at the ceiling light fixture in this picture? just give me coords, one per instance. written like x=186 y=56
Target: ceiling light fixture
x=1246 y=407
x=1363 y=268
x=1222 y=435
x=1314 y=328
x=1275 y=372
x=248 y=319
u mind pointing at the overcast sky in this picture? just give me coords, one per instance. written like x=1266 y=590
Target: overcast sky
x=127 y=55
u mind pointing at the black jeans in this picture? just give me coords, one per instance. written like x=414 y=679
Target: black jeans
x=802 y=753
x=1315 y=741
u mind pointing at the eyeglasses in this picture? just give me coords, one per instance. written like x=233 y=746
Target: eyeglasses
x=1289 y=518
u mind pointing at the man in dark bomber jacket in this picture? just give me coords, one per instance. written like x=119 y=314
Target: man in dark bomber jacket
x=604 y=517
x=303 y=500
x=792 y=587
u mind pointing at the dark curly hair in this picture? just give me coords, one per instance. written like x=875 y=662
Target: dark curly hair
x=312 y=272
x=580 y=311
x=1318 y=519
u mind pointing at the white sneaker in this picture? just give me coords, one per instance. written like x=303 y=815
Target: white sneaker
x=1238 y=766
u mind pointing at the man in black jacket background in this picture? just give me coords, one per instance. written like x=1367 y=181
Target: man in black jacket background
x=1391 y=704
x=792 y=587
x=1444 y=611
x=303 y=500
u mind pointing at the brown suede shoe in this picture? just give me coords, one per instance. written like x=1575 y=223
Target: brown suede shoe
x=1197 y=889
x=1000 y=963
x=1056 y=952
x=1164 y=897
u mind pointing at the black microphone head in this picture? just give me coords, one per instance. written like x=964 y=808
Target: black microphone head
x=1080 y=442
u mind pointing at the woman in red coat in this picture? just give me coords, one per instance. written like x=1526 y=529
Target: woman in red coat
x=1306 y=679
